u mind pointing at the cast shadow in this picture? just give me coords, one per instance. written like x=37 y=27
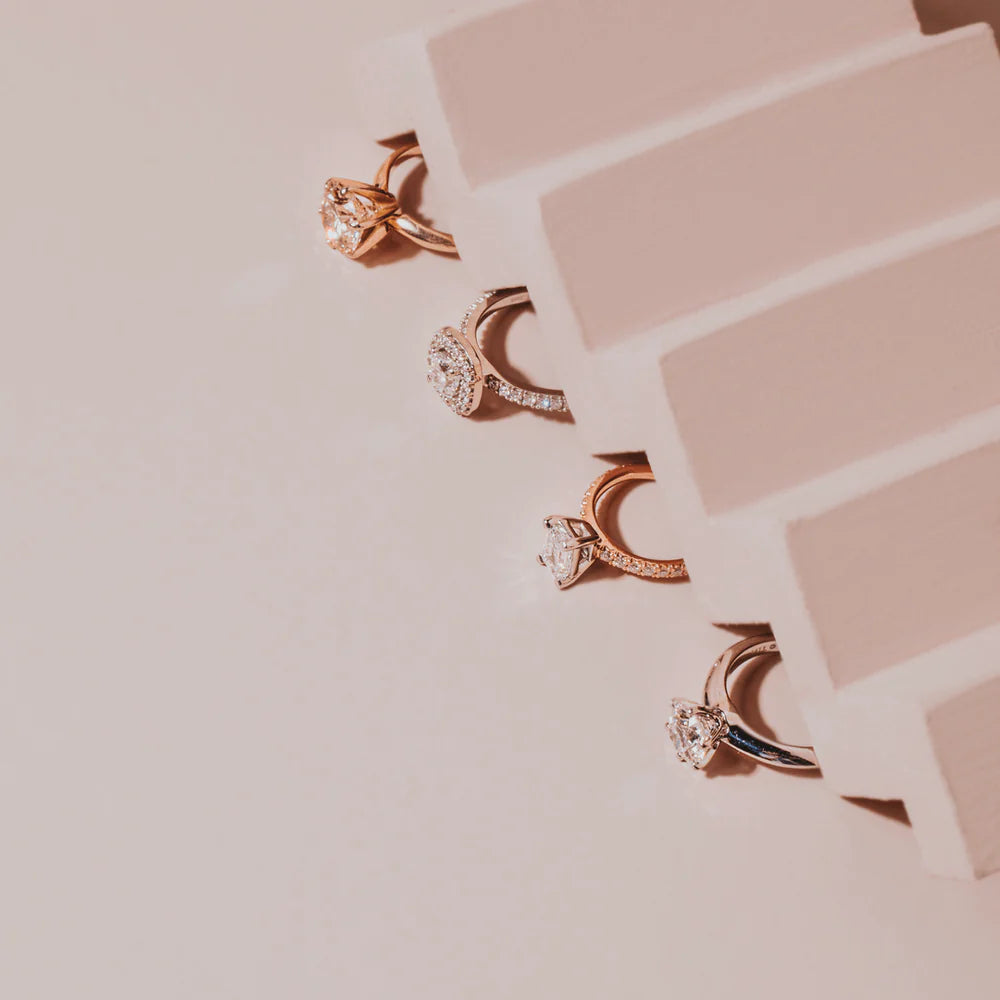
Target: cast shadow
x=893 y=809
x=938 y=16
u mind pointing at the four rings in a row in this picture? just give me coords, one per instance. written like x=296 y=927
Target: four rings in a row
x=356 y=218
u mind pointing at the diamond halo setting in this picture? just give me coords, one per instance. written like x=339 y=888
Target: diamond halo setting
x=695 y=731
x=454 y=371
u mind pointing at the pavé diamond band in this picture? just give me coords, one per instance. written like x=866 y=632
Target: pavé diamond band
x=573 y=544
x=458 y=368
x=357 y=216
x=696 y=730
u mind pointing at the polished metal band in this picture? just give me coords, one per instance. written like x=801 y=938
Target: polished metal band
x=741 y=737
x=698 y=729
x=404 y=224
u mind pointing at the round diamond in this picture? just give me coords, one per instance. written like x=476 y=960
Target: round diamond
x=343 y=213
x=695 y=731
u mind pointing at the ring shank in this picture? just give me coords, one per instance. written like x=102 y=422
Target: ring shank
x=404 y=224
x=485 y=306
x=499 y=298
x=612 y=552
x=741 y=737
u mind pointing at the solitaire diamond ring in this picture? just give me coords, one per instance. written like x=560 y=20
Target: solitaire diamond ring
x=697 y=729
x=574 y=544
x=357 y=216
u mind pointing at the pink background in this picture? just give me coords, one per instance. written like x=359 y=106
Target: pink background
x=290 y=711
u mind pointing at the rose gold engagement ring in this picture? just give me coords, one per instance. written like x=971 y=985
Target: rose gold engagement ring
x=358 y=216
x=573 y=544
x=458 y=369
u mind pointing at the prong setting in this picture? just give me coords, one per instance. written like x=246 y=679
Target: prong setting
x=352 y=213
x=569 y=550
x=695 y=731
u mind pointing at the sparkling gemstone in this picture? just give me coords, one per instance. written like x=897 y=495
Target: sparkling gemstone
x=343 y=214
x=695 y=731
x=440 y=370
x=558 y=551
x=451 y=372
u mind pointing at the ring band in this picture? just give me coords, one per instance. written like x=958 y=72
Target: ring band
x=358 y=216
x=573 y=544
x=458 y=369
x=697 y=730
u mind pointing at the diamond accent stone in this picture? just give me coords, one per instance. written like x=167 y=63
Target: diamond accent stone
x=554 y=402
x=695 y=731
x=648 y=568
x=344 y=213
x=451 y=372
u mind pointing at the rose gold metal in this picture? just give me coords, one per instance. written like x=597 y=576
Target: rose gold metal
x=591 y=541
x=719 y=721
x=382 y=214
x=479 y=372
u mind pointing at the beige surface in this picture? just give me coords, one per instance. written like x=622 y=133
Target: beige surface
x=924 y=550
x=861 y=366
x=965 y=726
x=278 y=722
x=852 y=159
x=589 y=66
